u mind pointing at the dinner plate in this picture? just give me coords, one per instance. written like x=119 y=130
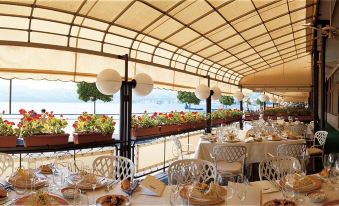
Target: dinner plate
x=44 y=172
x=101 y=200
x=101 y=182
x=276 y=202
x=315 y=186
x=232 y=141
x=39 y=183
x=56 y=200
x=199 y=201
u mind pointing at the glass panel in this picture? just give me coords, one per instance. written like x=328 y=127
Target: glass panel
x=13 y=35
x=48 y=39
x=236 y=9
x=279 y=22
x=50 y=27
x=198 y=44
x=286 y=45
x=230 y=42
x=14 y=22
x=228 y=60
x=260 y=39
x=54 y=15
x=91 y=45
x=256 y=31
x=208 y=23
x=16 y=10
x=287 y=50
x=273 y=10
x=264 y=46
x=160 y=60
x=95 y=24
x=246 y=22
x=164 y=27
x=115 y=49
x=284 y=39
x=210 y=51
x=220 y=56
x=298 y=15
x=138 y=16
x=108 y=10
x=193 y=11
x=281 y=32
x=246 y=53
x=63 y=5
x=240 y=48
x=182 y=37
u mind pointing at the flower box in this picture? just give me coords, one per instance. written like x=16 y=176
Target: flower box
x=144 y=132
x=185 y=127
x=199 y=125
x=8 y=141
x=166 y=129
x=81 y=138
x=218 y=122
x=46 y=140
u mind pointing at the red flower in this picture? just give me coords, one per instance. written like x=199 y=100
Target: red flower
x=103 y=120
x=75 y=125
x=22 y=111
x=88 y=118
x=182 y=112
x=155 y=114
x=170 y=115
x=12 y=123
x=29 y=119
x=19 y=125
x=6 y=121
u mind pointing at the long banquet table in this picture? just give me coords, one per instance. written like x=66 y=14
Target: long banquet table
x=256 y=151
x=254 y=196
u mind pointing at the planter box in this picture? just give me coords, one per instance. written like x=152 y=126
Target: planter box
x=45 y=140
x=199 y=125
x=8 y=141
x=145 y=132
x=185 y=127
x=165 y=129
x=217 y=121
x=304 y=118
x=81 y=138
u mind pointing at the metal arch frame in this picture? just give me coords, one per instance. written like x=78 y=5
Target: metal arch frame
x=85 y=16
x=30 y=20
x=72 y=22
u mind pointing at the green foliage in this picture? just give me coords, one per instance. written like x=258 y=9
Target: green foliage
x=188 y=97
x=226 y=100
x=89 y=92
x=259 y=102
x=225 y=114
x=87 y=123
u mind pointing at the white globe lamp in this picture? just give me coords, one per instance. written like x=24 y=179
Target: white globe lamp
x=202 y=91
x=238 y=95
x=108 y=81
x=144 y=84
x=263 y=97
x=216 y=92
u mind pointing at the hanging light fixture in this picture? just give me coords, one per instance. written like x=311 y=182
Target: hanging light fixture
x=202 y=91
x=216 y=92
x=238 y=95
x=108 y=81
x=263 y=97
x=144 y=84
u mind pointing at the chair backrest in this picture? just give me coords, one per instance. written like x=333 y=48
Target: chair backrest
x=229 y=153
x=299 y=129
x=6 y=162
x=293 y=150
x=178 y=147
x=274 y=168
x=206 y=169
x=321 y=137
x=115 y=167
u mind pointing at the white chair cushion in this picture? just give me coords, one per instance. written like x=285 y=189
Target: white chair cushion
x=314 y=151
x=228 y=167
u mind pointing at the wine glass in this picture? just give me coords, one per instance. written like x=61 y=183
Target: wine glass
x=241 y=188
x=20 y=186
x=332 y=159
x=174 y=185
x=287 y=192
x=31 y=164
x=193 y=174
x=76 y=168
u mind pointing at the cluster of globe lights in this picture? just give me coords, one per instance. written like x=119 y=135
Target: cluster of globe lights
x=203 y=92
x=109 y=82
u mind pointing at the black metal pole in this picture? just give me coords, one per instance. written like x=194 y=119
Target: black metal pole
x=208 y=109
x=10 y=96
x=315 y=72
x=322 y=81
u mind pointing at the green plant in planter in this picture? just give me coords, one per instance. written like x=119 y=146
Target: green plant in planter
x=144 y=121
x=193 y=117
x=7 y=128
x=40 y=124
x=87 y=123
x=188 y=98
x=226 y=100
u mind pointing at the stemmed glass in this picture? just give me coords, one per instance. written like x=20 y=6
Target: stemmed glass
x=76 y=177
x=175 y=186
x=31 y=171
x=193 y=173
x=241 y=188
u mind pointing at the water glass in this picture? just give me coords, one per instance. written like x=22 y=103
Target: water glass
x=241 y=188
x=326 y=162
x=174 y=185
x=287 y=192
x=20 y=186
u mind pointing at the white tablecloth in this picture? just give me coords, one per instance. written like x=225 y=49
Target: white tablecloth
x=256 y=151
x=254 y=196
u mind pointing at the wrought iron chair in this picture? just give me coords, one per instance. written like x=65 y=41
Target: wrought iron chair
x=115 y=167
x=6 y=162
x=299 y=129
x=297 y=151
x=177 y=148
x=274 y=168
x=229 y=160
x=206 y=169
x=317 y=149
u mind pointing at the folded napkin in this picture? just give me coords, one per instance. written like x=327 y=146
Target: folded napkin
x=249 y=139
x=268 y=187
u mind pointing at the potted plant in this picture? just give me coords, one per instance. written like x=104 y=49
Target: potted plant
x=7 y=133
x=93 y=128
x=195 y=119
x=42 y=129
x=145 y=126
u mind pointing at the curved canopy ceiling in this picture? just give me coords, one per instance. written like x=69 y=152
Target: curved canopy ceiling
x=226 y=40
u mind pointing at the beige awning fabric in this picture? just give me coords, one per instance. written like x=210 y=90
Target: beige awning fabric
x=177 y=42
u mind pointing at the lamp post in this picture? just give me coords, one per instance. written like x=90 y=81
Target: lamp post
x=240 y=96
x=109 y=82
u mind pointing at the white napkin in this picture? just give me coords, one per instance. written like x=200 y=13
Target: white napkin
x=268 y=187
x=249 y=139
